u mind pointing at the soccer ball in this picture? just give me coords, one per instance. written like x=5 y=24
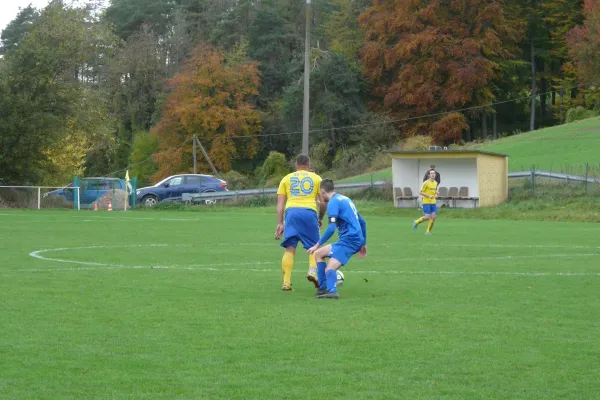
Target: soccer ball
x=340 y=277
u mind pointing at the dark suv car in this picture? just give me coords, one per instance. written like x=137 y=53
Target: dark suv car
x=91 y=189
x=173 y=187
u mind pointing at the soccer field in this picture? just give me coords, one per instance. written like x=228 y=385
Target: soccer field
x=187 y=305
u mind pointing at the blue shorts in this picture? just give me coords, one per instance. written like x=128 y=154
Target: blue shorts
x=343 y=251
x=429 y=209
x=301 y=224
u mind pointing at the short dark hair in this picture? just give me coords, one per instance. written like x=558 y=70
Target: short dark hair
x=432 y=166
x=327 y=185
x=302 y=159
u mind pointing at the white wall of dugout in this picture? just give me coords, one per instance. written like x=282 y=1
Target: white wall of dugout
x=455 y=172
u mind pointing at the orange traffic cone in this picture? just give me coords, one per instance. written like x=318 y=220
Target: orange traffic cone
x=95 y=206
x=109 y=206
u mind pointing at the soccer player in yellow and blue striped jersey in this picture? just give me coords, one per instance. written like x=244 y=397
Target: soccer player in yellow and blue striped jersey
x=297 y=198
x=429 y=191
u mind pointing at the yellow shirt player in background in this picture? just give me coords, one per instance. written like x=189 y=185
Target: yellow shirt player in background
x=429 y=191
x=297 y=199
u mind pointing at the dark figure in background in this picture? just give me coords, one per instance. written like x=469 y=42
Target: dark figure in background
x=437 y=175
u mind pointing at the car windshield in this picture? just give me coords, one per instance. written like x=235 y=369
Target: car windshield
x=163 y=181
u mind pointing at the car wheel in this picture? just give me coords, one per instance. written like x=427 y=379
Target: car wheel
x=149 y=201
x=210 y=201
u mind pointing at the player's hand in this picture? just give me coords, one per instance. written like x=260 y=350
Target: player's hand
x=278 y=231
x=320 y=223
x=313 y=249
x=362 y=253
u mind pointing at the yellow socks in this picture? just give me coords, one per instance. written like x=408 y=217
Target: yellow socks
x=312 y=262
x=430 y=225
x=287 y=263
x=420 y=220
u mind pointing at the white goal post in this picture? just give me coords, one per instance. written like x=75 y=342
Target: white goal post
x=38 y=197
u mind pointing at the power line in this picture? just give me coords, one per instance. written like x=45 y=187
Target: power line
x=410 y=118
x=148 y=159
x=431 y=115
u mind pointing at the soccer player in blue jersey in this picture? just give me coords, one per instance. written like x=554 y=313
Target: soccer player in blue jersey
x=352 y=232
x=297 y=198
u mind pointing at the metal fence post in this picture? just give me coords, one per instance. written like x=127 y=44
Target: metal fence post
x=587 y=171
x=533 y=180
x=39 y=197
x=77 y=198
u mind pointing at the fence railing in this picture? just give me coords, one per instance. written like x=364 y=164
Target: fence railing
x=243 y=194
x=37 y=197
x=552 y=175
x=41 y=196
x=554 y=184
x=236 y=195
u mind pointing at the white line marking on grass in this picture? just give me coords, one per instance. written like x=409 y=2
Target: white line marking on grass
x=106 y=266
x=521 y=246
x=477 y=273
x=212 y=266
x=493 y=257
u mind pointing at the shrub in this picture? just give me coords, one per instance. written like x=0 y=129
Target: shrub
x=417 y=143
x=380 y=161
x=275 y=167
x=579 y=113
x=236 y=180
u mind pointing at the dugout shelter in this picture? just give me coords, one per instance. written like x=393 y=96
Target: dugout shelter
x=469 y=178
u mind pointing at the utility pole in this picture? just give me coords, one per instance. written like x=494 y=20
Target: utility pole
x=305 y=113
x=194 y=151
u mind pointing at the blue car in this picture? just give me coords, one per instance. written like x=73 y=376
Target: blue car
x=91 y=189
x=173 y=188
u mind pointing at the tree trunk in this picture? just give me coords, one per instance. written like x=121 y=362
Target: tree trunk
x=533 y=85
x=494 y=126
x=484 y=127
x=553 y=97
x=469 y=133
x=562 y=97
x=543 y=97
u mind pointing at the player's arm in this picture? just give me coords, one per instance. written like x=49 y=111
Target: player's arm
x=422 y=191
x=281 y=200
x=322 y=208
x=363 y=226
x=362 y=253
x=329 y=231
x=332 y=213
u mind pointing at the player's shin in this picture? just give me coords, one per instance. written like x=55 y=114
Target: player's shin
x=321 y=274
x=287 y=263
x=331 y=280
x=430 y=225
x=420 y=220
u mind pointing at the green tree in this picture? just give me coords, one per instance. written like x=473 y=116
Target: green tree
x=336 y=93
x=48 y=107
x=342 y=30
x=143 y=165
x=274 y=43
x=17 y=28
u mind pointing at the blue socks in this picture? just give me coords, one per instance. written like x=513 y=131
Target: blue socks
x=321 y=274
x=331 y=281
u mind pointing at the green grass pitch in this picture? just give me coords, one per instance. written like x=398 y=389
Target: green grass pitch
x=187 y=305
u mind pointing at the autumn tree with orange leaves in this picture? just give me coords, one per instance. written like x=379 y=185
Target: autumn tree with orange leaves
x=433 y=56
x=211 y=99
x=584 y=43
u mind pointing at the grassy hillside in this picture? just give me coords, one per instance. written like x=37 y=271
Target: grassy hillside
x=564 y=148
